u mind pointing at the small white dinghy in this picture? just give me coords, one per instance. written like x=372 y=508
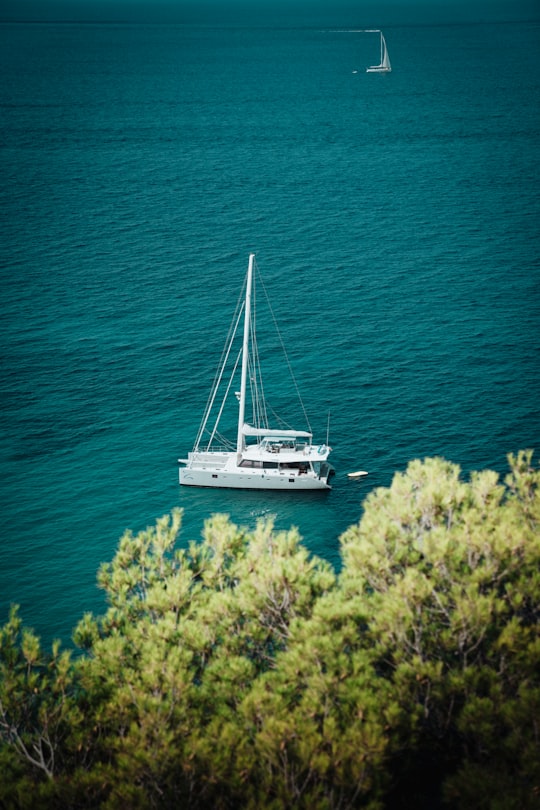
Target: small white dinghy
x=358 y=474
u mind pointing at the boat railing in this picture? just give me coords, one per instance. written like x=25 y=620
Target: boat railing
x=214 y=449
x=217 y=458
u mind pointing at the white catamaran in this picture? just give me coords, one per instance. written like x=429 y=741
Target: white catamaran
x=384 y=66
x=263 y=457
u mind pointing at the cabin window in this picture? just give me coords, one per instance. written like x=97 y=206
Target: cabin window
x=270 y=465
x=248 y=462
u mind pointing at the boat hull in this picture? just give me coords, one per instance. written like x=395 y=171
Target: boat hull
x=254 y=479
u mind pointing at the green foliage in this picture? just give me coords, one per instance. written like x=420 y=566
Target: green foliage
x=452 y=572
x=243 y=672
x=40 y=716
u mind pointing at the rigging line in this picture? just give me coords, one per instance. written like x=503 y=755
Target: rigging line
x=233 y=326
x=280 y=420
x=231 y=378
x=260 y=417
x=284 y=351
x=219 y=375
x=225 y=441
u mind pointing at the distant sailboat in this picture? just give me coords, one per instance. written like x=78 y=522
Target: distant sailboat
x=384 y=66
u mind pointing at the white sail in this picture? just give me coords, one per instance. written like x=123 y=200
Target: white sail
x=385 y=61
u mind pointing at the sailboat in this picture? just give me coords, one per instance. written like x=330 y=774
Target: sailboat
x=384 y=66
x=278 y=458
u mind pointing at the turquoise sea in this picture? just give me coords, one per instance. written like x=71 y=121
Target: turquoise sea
x=395 y=221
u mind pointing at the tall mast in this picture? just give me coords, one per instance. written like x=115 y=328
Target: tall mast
x=245 y=355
